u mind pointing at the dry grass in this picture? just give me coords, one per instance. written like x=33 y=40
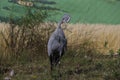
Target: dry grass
x=15 y=40
x=104 y=37
x=3 y=28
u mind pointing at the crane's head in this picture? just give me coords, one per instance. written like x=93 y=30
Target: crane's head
x=65 y=18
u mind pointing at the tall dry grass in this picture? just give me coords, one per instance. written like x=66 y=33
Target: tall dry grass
x=16 y=40
x=3 y=29
x=103 y=37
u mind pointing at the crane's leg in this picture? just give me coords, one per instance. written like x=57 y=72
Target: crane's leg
x=59 y=73
x=51 y=63
x=52 y=66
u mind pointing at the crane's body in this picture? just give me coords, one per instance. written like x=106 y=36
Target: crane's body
x=57 y=43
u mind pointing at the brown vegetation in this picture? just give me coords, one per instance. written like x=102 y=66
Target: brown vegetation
x=103 y=37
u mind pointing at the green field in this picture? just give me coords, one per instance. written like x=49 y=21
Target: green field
x=91 y=11
x=8 y=9
x=83 y=11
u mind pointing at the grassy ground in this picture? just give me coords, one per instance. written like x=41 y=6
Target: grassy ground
x=82 y=11
x=74 y=66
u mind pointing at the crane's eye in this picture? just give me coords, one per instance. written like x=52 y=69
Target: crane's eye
x=68 y=19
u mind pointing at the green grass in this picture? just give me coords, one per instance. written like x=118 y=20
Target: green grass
x=13 y=10
x=83 y=11
x=91 y=11
x=79 y=67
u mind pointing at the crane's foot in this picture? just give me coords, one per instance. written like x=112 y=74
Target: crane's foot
x=59 y=62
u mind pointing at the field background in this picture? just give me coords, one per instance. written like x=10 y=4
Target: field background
x=81 y=11
x=93 y=40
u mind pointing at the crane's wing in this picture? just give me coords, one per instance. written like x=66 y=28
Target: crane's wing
x=55 y=45
x=59 y=43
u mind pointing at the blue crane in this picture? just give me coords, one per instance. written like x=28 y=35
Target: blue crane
x=57 y=43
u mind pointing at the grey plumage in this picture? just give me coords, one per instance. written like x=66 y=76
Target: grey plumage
x=57 y=43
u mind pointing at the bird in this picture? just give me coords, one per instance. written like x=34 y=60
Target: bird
x=57 y=43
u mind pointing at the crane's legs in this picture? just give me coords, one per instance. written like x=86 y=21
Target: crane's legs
x=59 y=74
x=55 y=71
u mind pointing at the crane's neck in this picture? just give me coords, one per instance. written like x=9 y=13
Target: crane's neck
x=59 y=24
